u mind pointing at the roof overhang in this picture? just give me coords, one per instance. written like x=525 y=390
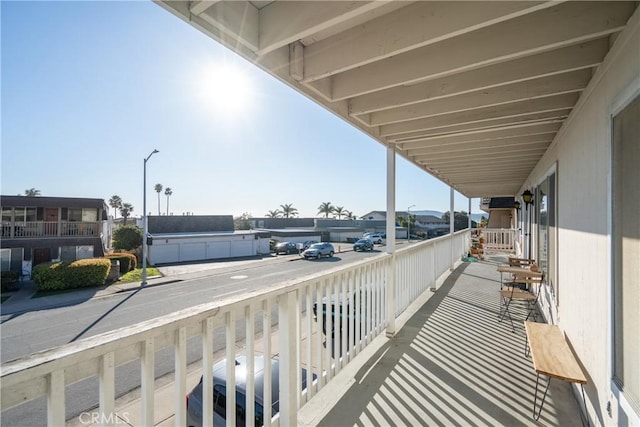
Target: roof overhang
x=473 y=92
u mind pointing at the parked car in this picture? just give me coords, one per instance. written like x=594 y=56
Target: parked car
x=308 y=243
x=194 y=398
x=318 y=250
x=375 y=238
x=286 y=248
x=363 y=245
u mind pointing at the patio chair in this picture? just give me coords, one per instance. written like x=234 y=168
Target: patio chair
x=520 y=290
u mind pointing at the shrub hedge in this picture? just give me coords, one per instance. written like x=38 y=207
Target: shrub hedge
x=8 y=280
x=128 y=261
x=67 y=275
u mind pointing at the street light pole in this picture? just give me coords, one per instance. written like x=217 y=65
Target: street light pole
x=409 y=223
x=144 y=219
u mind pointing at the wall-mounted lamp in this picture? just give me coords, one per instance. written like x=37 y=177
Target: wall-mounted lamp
x=516 y=205
x=527 y=197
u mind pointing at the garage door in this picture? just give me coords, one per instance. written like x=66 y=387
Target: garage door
x=218 y=250
x=193 y=251
x=163 y=254
x=242 y=248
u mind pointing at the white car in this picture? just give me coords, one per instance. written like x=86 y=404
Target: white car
x=374 y=237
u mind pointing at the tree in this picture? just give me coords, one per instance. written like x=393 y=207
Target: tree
x=460 y=220
x=127 y=237
x=31 y=192
x=274 y=214
x=116 y=203
x=242 y=222
x=168 y=192
x=350 y=215
x=158 y=188
x=339 y=211
x=325 y=208
x=125 y=211
x=288 y=210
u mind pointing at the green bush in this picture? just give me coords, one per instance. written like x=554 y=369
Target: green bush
x=87 y=272
x=127 y=237
x=8 y=280
x=49 y=276
x=128 y=261
x=66 y=275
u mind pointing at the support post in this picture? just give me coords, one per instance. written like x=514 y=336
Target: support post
x=391 y=241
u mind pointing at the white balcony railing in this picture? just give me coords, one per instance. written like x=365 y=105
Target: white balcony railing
x=500 y=239
x=284 y=313
x=31 y=229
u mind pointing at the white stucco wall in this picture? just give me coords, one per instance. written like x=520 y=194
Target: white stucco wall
x=170 y=249
x=582 y=155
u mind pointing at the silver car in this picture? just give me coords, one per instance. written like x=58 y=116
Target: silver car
x=194 y=398
x=318 y=250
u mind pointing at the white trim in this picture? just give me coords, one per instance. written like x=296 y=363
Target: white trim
x=629 y=94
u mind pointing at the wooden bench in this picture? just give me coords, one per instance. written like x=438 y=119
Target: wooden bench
x=552 y=357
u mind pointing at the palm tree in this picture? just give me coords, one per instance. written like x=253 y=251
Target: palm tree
x=350 y=215
x=273 y=214
x=168 y=192
x=339 y=211
x=325 y=208
x=158 y=188
x=31 y=192
x=115 y=202
x=125 y=211
x=288 y=210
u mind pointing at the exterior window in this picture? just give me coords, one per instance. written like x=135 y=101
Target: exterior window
x=626 y=252
x=7 y=214
x=75 y=214
x=546 y=215
x=89 y=214
x=19 y=214
x=31 y=214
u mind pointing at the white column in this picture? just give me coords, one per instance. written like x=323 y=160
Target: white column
x=469 y=214
x=451 y=223
x=391 y=240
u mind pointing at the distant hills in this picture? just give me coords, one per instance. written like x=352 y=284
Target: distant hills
x=474 y=216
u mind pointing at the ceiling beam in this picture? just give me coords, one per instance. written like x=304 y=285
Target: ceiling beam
x=483 y=146
x=539 y=105
x=581 y=56
x=563 y=25
x=284 y=22
x=528 y=119
x=485 y=135
x=515 y=92
x=197 y=7
x=238 y=19
x=408 y=28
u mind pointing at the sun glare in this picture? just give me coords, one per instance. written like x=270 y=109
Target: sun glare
x=225 y=88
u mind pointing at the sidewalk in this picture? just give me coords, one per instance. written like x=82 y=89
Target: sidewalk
x=22 y=300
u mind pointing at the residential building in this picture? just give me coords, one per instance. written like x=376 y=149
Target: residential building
x=41 y=229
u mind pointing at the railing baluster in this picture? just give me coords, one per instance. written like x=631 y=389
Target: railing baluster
x=309 y=342
x=250 y=378
x=55 y=399
x=207 y=372
x=230 y=326
x=319 y=320
x=147 y=360
x=289 y=364
x=107 y=389
x=180 y=386
x=267 y=399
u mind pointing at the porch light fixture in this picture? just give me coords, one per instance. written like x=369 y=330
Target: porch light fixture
x=144 y=220
x=516 y=205
x=527 y=197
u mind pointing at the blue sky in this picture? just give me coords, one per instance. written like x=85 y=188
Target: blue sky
x=89 y=89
